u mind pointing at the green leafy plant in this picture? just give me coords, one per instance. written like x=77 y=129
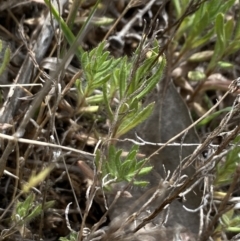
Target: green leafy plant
x=118 y=79
x=119 y=85
x=118 y=169
x=226 y=169
x=205 y=39
x=128 y=80
x=26 y=211
x=207 y=23
x=97 y=66
x=230 y=222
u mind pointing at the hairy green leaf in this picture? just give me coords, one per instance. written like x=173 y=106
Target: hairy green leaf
x=130 y=122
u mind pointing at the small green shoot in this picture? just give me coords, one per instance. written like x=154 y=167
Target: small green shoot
x=230 y=222
x=28 y=210
x=118 y=169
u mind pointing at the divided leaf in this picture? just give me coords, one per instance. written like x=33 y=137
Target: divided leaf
x=124 y=169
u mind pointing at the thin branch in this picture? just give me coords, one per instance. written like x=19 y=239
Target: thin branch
x=41 y=143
